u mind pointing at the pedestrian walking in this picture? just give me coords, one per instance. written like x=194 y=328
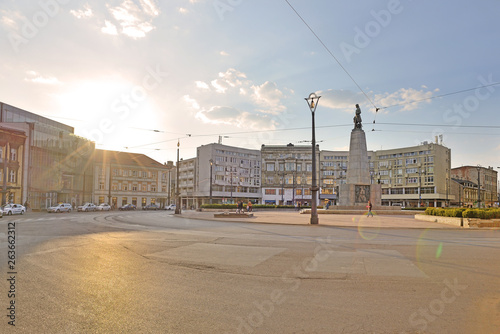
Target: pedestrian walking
x=249 y=206
x=369 y=206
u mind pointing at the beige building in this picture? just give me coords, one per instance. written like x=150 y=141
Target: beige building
x=414 y=176
x=410 y=176
x=188 y=182
x=121 y=178
x=287 y=174
x=466 y=178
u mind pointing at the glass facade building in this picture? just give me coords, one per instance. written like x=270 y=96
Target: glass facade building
x=59 y=167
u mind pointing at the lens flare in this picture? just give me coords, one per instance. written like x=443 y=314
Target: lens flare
x=368 y=227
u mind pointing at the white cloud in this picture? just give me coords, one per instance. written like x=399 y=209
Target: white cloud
x=224 y=53
x=269 y=96
x=109 y=28
x=135 y=19
x=183 y=10
x=84 y=13
x=35 y=77
x=239 y=102
x=201 y=84
x=340 y=99
x=406 y=98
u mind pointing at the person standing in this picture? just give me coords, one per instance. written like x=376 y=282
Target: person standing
x=249 y=206
x=369 y=206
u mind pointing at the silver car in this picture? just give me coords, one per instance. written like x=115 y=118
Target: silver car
x=62 y=207
x=13 y=209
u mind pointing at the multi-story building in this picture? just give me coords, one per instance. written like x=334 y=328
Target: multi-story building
x=13 y=180
x=235 y=171
x=121 y=178
x=410 y=176
x=487 y=177
x=414 y=176
x=188 y=182
x=287 y=174
x=56 y=161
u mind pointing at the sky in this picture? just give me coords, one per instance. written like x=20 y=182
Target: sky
x=141 y=75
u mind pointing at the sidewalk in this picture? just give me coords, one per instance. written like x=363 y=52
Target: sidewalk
x=344 y=220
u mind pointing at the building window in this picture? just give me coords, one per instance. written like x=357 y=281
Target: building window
x=12 y=176
x=101 y=199
x=101 y=185
x=144 y=201
x=134 y=201
x=134 y=187
x=124 y=200
x=270 y=191
x=410 y=180
x=13 y=154
x=153 y=188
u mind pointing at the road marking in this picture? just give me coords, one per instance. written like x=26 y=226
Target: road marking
x=246 y=256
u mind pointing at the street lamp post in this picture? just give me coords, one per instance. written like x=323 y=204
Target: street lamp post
x=211 y=165
x=177 y=191
x=312 y=102
x=478 y=186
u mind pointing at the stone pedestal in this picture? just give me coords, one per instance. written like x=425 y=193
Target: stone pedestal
x=360 y=194
x=358 y=171
x=358 y=190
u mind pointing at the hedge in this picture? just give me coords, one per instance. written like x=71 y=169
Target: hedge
x=463 y=212
x=482 y=213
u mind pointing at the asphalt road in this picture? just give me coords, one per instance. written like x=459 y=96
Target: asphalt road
x=151 y=272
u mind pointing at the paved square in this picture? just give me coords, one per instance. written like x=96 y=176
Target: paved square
x=246 y=256
x=371 y=262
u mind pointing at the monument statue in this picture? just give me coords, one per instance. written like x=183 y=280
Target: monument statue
x=357 y=118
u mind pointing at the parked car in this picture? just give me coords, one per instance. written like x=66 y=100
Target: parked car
x=170 y=207
x=103 y=207
x=151 y=207
x=1 y=213
x=13 y=209
x=87 y=207
x=61 y=207
x=127 y=207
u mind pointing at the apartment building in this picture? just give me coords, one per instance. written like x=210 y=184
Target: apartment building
x=287 y=174
x=13 y=180
x=188 y=182
x=121 y=178
x=469 y=178
x=414 y=176
x=235 y=172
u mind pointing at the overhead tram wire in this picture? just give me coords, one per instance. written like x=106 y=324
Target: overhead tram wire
x=442 y=95
x=333 y=56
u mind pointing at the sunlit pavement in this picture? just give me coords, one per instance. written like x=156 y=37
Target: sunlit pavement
x=345 y=220
x=153 y=272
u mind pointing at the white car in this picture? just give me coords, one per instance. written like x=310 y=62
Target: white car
x=103 y=207
x=13 y=209
x=170 y=207
x=62 y=207
x=87 y=207
x=1 y=213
